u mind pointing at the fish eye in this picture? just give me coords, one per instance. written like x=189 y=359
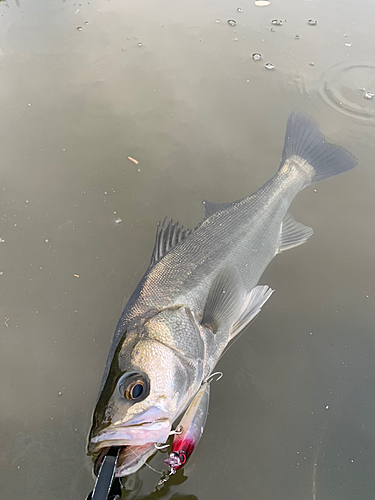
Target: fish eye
x=134 y=386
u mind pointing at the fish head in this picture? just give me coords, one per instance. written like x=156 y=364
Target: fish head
x=149 y=383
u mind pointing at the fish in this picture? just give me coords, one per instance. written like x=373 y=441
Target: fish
x=199 y=292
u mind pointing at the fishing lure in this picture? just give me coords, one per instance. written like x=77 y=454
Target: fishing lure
x=190 y=430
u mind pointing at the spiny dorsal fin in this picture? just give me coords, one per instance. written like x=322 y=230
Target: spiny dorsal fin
x=224 y=300
x=293 y=233
x=251 y=308
x=211 y=208
x=168 y=235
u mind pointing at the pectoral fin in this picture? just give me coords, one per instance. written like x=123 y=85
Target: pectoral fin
x=251 y=307
x=224 y=300
x=293 y=233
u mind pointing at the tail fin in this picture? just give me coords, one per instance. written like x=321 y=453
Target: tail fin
x=304 y=139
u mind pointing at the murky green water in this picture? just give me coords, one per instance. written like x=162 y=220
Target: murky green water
x=84 y=86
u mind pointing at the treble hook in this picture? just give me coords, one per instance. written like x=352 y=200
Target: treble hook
x=178 y=430
x=210 y=378
x=160 y=446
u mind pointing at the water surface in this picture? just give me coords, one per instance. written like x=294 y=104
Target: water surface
x=173 y=85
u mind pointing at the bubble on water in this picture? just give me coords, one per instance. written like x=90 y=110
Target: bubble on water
x=86 y=22
x=312 y=22
x=239 y=9
x=277 y=22
x=46 y=240
x=344 y=87
x=218 y=21
x=232 y=22
x=262 y=3
x=327 y=407
x=273 y=29
x=311 y=64
x=256 y=56
x=235 y=39
x=140 y=44
x=368 y=95
x=118 y=220
x=269 y=66
x=59 y=393
x=2 y=272
x=79 y=28
x=297 y=37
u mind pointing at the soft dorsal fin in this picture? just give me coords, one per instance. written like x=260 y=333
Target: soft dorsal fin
x=224 y=300
x=211 y=208
x=293 y=233
x=168 y=235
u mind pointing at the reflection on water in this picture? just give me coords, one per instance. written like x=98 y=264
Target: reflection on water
x=168 y=85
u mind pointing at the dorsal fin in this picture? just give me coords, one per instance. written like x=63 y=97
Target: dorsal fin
x=211 y=208
x=168 y=235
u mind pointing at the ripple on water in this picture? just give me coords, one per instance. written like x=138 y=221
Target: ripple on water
x=346 y=86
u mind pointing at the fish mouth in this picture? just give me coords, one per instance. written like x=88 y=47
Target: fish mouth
x=138 y=434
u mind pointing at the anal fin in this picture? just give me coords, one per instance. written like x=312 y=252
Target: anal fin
x=293 y=233
x=251 y=307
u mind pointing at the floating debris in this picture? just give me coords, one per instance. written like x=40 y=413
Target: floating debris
x=256 y=56
x=118 y=220
x=273 y=29
x=133 y=160
x=277 y=22
x=76 y=275
x=232 y=22
x=262 y=3
x=368 y=95
x=312 y=22
x=269 y=66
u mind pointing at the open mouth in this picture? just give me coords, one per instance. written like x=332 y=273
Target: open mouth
x=136 y=443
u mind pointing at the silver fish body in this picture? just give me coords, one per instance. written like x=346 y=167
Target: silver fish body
x=199 y=291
